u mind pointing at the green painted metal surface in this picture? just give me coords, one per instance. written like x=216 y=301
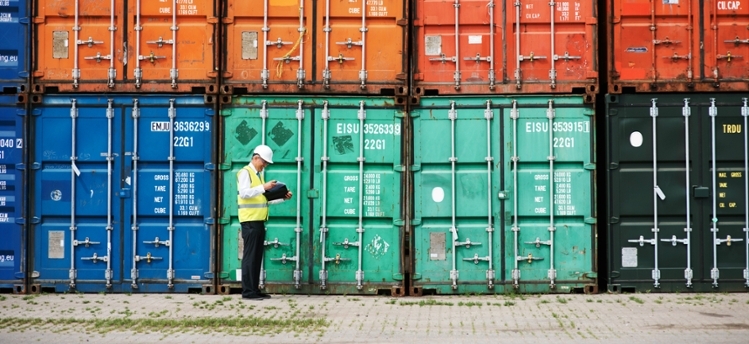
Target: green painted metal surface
x=466 y=178
x=676 y=222
x=346 y=178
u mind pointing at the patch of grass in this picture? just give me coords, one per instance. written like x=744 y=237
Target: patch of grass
x=422 y=303
x=228 y=325
x=636 y=299
x=470 y=304
x=509 y=303
x=561 y=300
x=354 y=299
x=168 y=297
x=589 y=300
x=544 y=301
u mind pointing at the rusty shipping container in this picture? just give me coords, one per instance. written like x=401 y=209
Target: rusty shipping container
x=90 y=46
x=678 y=45
x=488 y=47
x=293 y=46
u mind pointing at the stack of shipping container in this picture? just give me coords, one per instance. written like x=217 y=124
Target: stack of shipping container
x=676 y=116
x=324 y=84
x=122 y=165
x=14 y=87
x=433 y=147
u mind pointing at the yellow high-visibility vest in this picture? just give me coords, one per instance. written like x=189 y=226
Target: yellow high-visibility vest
x=255 y=208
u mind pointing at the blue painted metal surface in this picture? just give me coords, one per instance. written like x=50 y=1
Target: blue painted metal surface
x=140 y=220
x=12 y=200
x=14 y=35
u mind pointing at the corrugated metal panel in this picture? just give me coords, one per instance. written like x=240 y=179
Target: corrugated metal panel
x=332 y=47
x=123 y=193
x=685 y=46
x=162 y=47
x=341 y=232
x=484 y=47
x=504 y=194
x=677 y=192
x=12 y=194
x=14 y=33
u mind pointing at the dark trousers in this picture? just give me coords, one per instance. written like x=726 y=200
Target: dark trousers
x=253 y=234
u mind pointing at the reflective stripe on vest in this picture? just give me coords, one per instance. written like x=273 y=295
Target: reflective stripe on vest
x=255 y=208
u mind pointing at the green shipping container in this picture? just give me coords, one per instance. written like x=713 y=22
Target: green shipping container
x=677 y=192
x=504 y=195
x=341 y=157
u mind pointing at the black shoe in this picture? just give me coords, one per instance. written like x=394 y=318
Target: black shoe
x=264 y=295
x=254 y=297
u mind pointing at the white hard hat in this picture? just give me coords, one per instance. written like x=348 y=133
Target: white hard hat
x=264 y=152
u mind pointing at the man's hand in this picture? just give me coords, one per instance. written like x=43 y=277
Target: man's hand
x=288 y=195
x=269 y=185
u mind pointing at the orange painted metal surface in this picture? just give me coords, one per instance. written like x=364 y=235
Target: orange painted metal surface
x=676 y=46
x=529 y=46
x=289 y=46
x=88 y=46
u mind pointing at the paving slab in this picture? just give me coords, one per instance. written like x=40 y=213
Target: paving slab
x=194 y=318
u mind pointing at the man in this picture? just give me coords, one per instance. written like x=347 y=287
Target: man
x=253 y=212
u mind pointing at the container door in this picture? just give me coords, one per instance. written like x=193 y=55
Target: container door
x=654 y=41
x=456 y=246
x=12 y=194
x=549 y=237
x=75 y=153
x=463 y=55
x=358 y=217
x=551 y=43
x=655 y=192
x=14 y=26
x=280 y=124
x=696 y=198
x=727 y=45
x=172 y=54
x=361 y=44
x=168 y=226
x=268 y=44
x=724 y=224
x=79 y=45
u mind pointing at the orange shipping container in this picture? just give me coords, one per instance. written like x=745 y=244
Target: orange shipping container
x=528 y=46
x=289 y=46
x=160 y=46
x=678 y=45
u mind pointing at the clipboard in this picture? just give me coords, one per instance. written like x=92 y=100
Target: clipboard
x=277 y=192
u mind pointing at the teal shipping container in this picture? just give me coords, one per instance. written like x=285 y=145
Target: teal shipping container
x=341 y=158
x=504 y=195
x=677 y=192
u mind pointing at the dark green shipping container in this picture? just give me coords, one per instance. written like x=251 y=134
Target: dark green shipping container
x=677 y=192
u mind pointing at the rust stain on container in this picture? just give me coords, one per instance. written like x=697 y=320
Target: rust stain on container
x=170 y=47
x=677 y=46
x=528 y=46
x=356 y=46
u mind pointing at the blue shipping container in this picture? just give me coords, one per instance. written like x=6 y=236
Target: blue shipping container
x=123 y=193
x=14 y=35
x=12 y=228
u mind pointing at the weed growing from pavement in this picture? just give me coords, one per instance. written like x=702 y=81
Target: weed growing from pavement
x=636 y=299
x=543 y=301
x=509 y=303
x=470 y=304
x=589 y=300
x=422 y=303
x=561 y=300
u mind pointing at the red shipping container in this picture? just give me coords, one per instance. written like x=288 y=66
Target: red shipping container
x=90 y=46
x=289 y=46
x=529 y=46
x=675 y=45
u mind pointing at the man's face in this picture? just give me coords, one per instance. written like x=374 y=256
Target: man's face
x=260 y=164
